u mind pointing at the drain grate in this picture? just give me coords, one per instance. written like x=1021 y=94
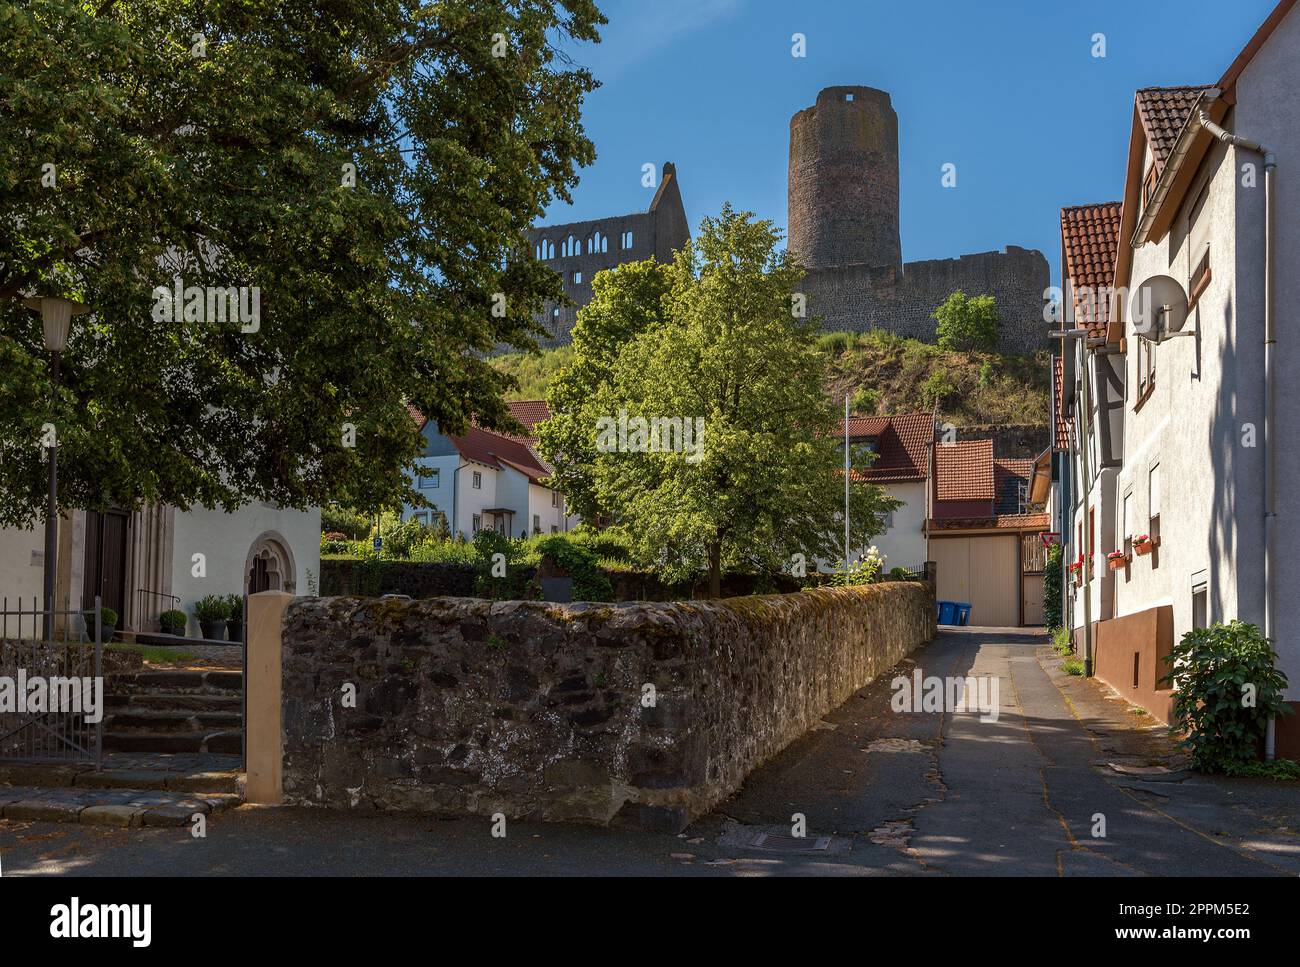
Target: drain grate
x=790 y=844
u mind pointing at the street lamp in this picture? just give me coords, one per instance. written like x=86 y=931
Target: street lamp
x=56 y=319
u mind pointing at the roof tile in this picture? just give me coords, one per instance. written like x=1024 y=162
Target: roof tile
x=1163 y=111
x=965 y=470
x=1090 y=241
x=901 y=442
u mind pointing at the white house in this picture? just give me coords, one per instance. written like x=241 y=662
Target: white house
x=160 y=558
x=487 y=481
x=1182 y=436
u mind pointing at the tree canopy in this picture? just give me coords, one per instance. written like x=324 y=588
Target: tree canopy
x=364 y=175
x=709 y=345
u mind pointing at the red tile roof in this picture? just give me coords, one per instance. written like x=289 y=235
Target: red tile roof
x=1061 y=440
x=1089 y=241
x=901 y=442
x=1163 y=111
x=964 y=470
x=530 y=413
x=494 y=449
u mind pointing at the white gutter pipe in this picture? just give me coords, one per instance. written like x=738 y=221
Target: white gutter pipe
x=1270 y=396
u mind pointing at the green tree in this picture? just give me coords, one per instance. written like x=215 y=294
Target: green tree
x=369 y=170
x=624 y=304
x=967 y=323
x=721 y=349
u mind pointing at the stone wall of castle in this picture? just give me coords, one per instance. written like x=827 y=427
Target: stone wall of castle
x=861 y=297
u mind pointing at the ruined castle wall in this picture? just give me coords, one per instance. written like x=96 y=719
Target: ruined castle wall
x=861 y=297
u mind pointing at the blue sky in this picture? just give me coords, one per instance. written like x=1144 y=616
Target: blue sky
x=1007 y=91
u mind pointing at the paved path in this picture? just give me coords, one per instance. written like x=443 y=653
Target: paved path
x=883 y=793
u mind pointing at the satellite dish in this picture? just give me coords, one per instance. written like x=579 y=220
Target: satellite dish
x=1158 y=307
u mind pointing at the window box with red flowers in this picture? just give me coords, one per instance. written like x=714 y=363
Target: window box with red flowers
x=1117 y=560
x=1076 y=569
x=1145 y=544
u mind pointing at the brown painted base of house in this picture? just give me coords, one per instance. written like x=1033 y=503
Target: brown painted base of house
x=1287 y=734
x=1129 y=656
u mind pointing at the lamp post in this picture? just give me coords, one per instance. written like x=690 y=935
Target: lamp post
x=56 y=320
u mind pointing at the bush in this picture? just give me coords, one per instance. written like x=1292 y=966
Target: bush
x=866 y=401
x=348 y=524
x=330 y=545
x=611 y=542
x=835 y=343
x=866 y=570
x=213 y=607
x=235 y=602
x=1052 y=616
x=902 y=574
x=173 y=622
x=966 y=323
x=1227 y=688
x=107 y=615
x=1072 y=666
x=510 y=584
x=580 y=564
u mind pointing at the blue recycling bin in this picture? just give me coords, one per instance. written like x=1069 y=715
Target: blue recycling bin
x=963 y=612
x=947 y=612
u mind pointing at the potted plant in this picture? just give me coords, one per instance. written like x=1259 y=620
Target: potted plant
x=1144 y=544
x=1076 y=570
x=1116 y=560
x=173 y=622
x=108 y=623
x=235 y=623
x=212 y=612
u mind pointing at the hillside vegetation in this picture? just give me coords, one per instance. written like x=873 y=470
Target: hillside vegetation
x=885 y=374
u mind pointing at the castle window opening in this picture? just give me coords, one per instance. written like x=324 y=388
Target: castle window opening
x=575 y=277
x=627 y=240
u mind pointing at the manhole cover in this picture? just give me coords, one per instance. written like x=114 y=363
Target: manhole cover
x=790 y=844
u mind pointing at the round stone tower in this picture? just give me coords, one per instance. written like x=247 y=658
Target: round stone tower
x=843 y=203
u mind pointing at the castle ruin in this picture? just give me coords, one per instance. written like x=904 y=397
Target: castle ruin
x=843 y=221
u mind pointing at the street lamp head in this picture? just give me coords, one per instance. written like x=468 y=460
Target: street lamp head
x=56 y=318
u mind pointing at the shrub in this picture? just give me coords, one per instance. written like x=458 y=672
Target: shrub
x=865 y=570
x=1061 y=642
x=611 y=542
x=212 y=607
x=903 y=574
x=835 y=343
x=173 y=622
x=1072 y=666
x=510 y=585
x=966 y=323
x=236 y=604
x=1052 y=587
x=332 y=546
x=866 y=401
x=1227 y=688
x=937 y=387
x=580 y=564
x=107 y=615
x=347 y=524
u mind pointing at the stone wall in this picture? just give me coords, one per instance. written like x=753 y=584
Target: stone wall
x=1011 y=441
x=861 y=297
x=536 y=711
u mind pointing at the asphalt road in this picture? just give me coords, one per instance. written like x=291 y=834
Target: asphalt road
x=882 y=793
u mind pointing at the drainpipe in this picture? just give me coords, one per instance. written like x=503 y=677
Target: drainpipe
x=1270 y=396
x=1087 y=517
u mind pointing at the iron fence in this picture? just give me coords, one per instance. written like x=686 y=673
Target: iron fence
x=52 y=662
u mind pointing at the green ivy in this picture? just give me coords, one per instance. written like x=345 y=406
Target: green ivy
x=580 y=564
x=1052 y=587
x=1227 y=688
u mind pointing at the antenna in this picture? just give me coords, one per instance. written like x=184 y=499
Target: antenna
x=1159 y=309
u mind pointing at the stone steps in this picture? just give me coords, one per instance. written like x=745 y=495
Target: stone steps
x=186 y=773
x=170 y=701
x=178 y=682
x=228 y=742
x=173 y=720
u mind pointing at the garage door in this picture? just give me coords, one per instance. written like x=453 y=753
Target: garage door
x=983 y=571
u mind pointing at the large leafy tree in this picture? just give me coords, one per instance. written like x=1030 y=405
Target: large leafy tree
x=370 y=169
x=720 y=344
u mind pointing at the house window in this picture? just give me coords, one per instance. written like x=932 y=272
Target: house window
x=1200 y=603
x=554 y=529
x=1146 y=367
x=477 y=523
x=421 y=517
x=626 y=242
x=555 y=498
x=478 y=480
x=537 y=523
x=575 y=277
x=429 y=478
x=1153 y=502
x=1126 y=522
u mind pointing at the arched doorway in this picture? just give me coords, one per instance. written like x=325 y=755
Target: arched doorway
x=270 y=565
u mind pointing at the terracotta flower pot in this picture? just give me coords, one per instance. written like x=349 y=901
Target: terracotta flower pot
x=1145 y=548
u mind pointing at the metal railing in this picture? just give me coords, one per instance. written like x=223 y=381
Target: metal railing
x=52 y=661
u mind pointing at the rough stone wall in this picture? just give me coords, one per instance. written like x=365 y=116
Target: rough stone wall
x=843 y=180
x=536 y=710
x=1011 y=441
x=862 y=297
